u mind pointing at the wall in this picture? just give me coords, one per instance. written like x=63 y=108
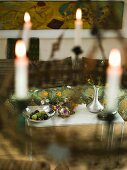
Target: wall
x=47 y=38
x=66 y=47
x=2 y=48
x=68 y=44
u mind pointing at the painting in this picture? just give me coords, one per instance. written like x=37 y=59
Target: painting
x=61 y=14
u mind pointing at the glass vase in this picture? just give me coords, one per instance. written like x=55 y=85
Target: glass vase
x=95 y=106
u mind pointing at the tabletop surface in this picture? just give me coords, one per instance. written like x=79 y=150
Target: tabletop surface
x=81 y=117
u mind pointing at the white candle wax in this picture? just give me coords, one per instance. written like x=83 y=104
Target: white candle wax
x=26 y=28
x=78 y=27
x=21 y=71
x=114 y=72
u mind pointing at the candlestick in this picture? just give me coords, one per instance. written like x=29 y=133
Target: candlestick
x=21 y=71
x=78 y=27
x=114 y=73
x=26 y=28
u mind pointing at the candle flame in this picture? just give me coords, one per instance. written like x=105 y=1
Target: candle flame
x=20 y=49
x=79 y=14
x=26 y=17
x=115 y=58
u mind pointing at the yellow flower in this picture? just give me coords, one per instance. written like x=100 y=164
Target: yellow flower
x=54 y=107
x=59 y=94
x=45 y=93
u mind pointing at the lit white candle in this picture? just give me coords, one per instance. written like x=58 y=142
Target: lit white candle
x=26 y=28
x=114 y=73
x=78 y=27
x=21 y=71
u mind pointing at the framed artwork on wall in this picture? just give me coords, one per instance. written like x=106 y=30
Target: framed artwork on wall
x=51 y=17
x=61 y=14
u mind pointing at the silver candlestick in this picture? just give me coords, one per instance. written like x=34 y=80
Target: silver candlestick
x=95 y=106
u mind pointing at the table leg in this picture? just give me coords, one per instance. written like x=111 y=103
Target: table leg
x=122 y=132
x=110 y=135
x=29 y=144
x=102 y=131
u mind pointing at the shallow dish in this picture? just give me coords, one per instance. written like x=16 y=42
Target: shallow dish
x=27 y=112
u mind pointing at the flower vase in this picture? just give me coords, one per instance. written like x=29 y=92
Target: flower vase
x=95 y=106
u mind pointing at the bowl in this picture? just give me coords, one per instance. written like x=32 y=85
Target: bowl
x=34 y=110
